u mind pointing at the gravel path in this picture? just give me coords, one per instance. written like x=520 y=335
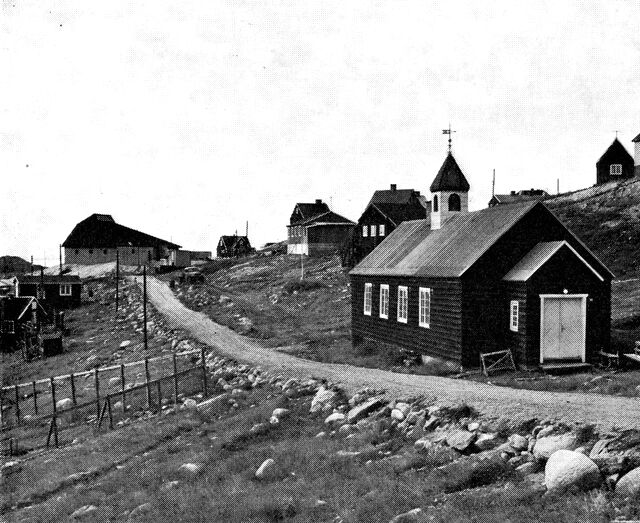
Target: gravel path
x=605 y=411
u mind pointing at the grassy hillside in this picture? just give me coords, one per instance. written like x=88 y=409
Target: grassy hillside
x=15 y=265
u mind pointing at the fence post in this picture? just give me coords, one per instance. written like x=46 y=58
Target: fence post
x=110 y=414
x=146 y=373
x=35 y=397
x=124 y=407
x=204 y=373
x=17 y=403
x=1 y=406
x=97 y=382
x=175 y=380
x=73 y=390
x=54 y=421
x=159 y=394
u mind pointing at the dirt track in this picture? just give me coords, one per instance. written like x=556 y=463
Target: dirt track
x=605 y=411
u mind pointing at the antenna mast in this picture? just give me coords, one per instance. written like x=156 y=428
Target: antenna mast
x=493 y=185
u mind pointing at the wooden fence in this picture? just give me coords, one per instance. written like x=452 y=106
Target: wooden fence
x=28 y=405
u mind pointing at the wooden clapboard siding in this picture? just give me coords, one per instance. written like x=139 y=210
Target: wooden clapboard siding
x=517 y=342
x=442 y=339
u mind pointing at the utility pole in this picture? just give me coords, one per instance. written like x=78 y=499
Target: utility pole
x=558 y=186
x=117 y=280
x=144 y=306
x=60 y=252
x=302 y=266
x=493 y=186
x=32 y=265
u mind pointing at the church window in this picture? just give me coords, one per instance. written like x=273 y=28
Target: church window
x=435 y=203
x=454 y=202
x=615 y=169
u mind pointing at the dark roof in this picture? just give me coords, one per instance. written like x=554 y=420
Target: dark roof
x=450 y=177
x=326 y=217
x=101 y=231
x=14 y=308
x=518 y=198
x=636 y=139
x=394 y=196
x=309 y=210
x=615 y=149
x=413 y=249
x=399 y=213
x=48 y=279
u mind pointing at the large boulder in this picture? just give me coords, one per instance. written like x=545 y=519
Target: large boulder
x=212 y=404
x=566 y=469
x=518 y=442
x=629 y=484
x=336 y=417
x=364 y=409
x=267 y=470
x=65 y=403
x=487 y=441
x=413 y=516
x=544 y=447
x=461 y=439
x=324 y=400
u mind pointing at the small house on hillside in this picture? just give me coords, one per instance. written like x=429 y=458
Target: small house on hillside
x=98 y=238
x=385 y=211
x=636 y=155
x=19 y=318
x=233 y=246
x=518 y=197
x=315 y=230
x=615 y=164
x=461 y=283
x=58 y=292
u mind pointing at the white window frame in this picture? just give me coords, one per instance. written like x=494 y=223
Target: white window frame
x=424 y=307
x=384 y=301
x=403 y=303
x=381 y=230
x=368 y=298
x=374 y=231
x=66 y=289
x=365 y=231
x=8 y=327
x=617 y=171
x=514 y=315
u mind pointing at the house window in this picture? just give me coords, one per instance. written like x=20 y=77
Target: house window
x=424 y=306
x=373 y=231
x=615 y=169
x=65 y=289
x=133 y=251
x=105 y=251
x=515 y=308
x=365 y=231
x=90 y=251
x=384 y=301
x=403 y=301
x=454 y=202
x=8 y=327
x=381 y=230
x=77 y=251
x=368 y=291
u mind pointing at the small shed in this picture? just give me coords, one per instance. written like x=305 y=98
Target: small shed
x=59 y=292
x=615 y=164
x=234 y=246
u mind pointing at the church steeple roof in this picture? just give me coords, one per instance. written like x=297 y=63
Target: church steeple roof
x=450 y=177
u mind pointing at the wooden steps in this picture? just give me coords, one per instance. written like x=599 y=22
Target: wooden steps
x=565 y=366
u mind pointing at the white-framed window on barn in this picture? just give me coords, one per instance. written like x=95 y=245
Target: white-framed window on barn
x=514 y=315
x=65 y=289
x=368 y=292
x=424 y=307
x=615 y=169
x=403 y=303
x=381 y=230
x=365 y=231
x=384 y=301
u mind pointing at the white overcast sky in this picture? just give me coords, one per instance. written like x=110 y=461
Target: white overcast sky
x=185 y=119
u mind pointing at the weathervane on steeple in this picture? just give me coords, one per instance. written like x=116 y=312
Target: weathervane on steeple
x=449 y=132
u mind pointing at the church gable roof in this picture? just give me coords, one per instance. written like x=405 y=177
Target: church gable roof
x=450 y=177
x=615 y=151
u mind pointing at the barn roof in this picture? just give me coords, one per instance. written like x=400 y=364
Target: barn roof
x=309 y=210
x=537 y=257
x=450 y=177
x=413 y=249
x=101 y=231
x=615 y=149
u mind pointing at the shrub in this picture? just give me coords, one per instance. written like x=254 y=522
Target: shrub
x=302 y=286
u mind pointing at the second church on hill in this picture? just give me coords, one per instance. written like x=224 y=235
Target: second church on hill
x=461 y=283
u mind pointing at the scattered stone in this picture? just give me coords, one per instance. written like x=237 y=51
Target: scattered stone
x=10 y=467
x=169 y=485
x=397 y=414
x=189 y=404
x=65 y=403
x=347 y=453
x=473 y=426
x=545 y=431
x=461 y=439
x=527 y=468
x=336 y=417
x=518 y=442
x=566 y=469
x=629 y=484
x=211 y=404
x=84 y=511
x=191 y=468
x=546 y=446
x=280 y=413
x=363 y=410
x=321 y=434
x=125 y=344
x=324 y=400
x=487 y=441
x=140 y=512
x=266 y=470
x=114 y=381
x=413 y=516
x=259 y=428
x=599 y=448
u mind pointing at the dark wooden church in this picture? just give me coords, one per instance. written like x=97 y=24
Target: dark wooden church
x=461 y=283
x=615 y=164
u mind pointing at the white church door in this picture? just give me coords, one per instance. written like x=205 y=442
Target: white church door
x=563 y=322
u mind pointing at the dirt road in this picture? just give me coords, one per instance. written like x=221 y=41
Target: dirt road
x=604 y=411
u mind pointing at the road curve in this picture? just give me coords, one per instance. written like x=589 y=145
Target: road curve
x=606 y=412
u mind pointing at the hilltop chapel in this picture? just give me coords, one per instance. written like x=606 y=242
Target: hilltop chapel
x=459 y=284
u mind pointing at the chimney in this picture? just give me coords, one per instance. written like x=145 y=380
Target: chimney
x=513 y=193
x=318 y=201
x=394 y=187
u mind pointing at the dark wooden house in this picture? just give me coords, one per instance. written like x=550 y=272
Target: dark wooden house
x=636 y=155
x=19 y=319
x=54 y=292
x=526 y=195
x=507 y=277
x=315 y=230
x=385 y=211
x=99 y=239
x=233 y=246
x=615 y=164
